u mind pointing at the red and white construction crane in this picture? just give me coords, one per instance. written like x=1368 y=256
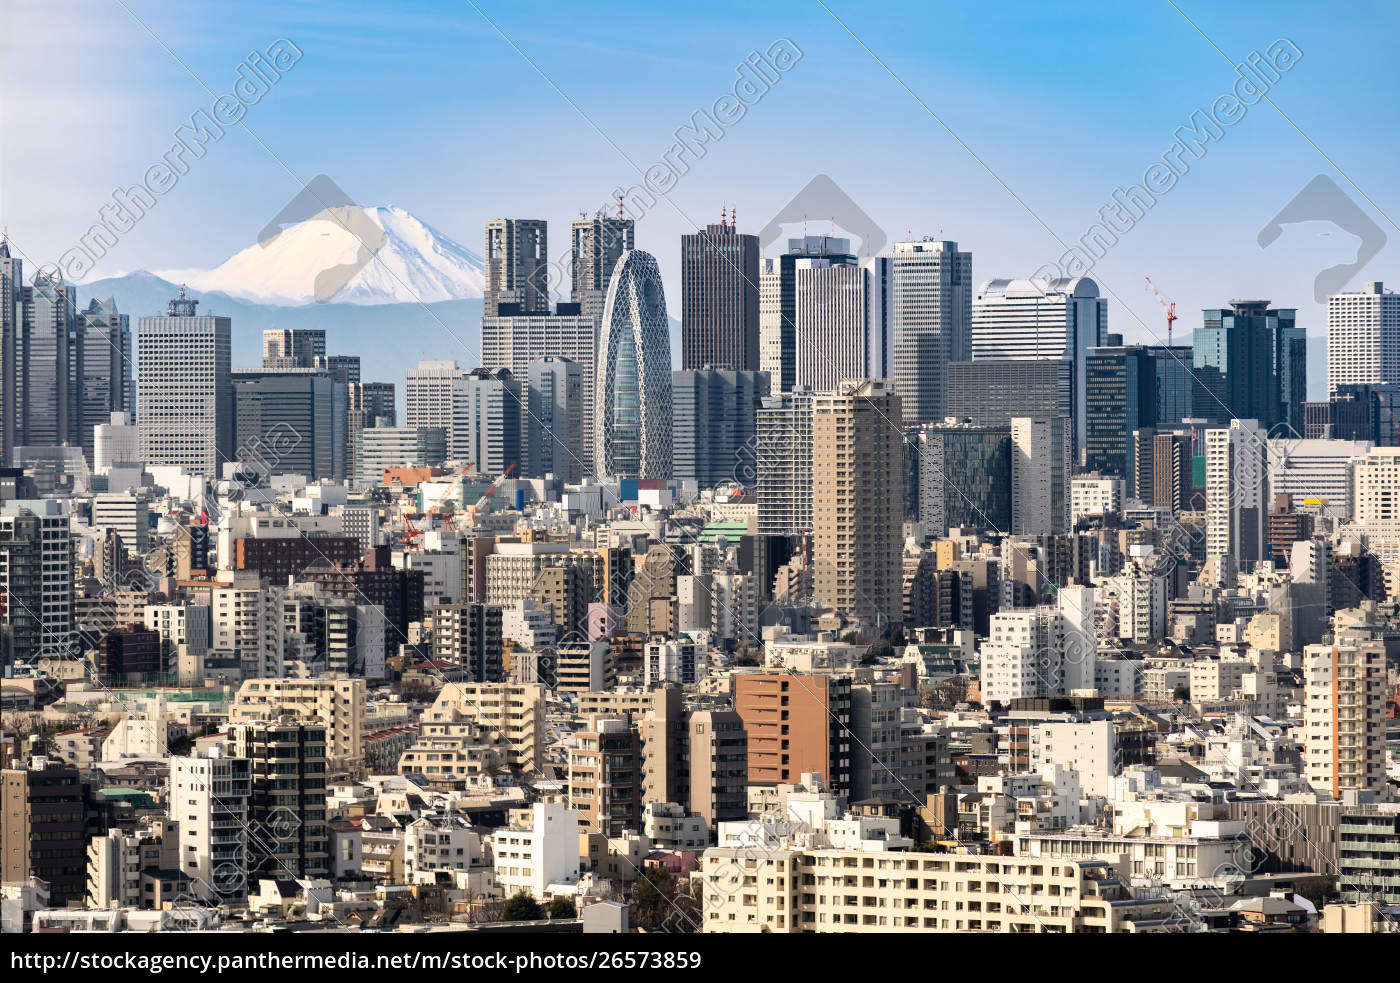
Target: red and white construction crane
x=1168 y=306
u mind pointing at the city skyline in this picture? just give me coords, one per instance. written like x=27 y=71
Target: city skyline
x=1240 y=181
x=980 y=543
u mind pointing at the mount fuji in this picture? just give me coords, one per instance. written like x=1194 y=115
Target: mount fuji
x=395 y=258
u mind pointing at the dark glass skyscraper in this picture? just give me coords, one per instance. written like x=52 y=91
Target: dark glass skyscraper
x=719 y=299
x=1121 y=397
x=1249 y=363
x=1175 y=382
x=714 y=413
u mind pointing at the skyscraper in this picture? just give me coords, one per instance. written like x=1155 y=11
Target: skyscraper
x=487 y=421
x=514 y=340
x=185 y=388
x=779 y=346
x=857 y=500
x=962 y=476
x=719 y=299
x=1249 y=364
x=48 y=364
x=1175 y=382
x=286 y=422
x=597 y=244
x=930 y=311
x=783 y=463
x=517 y=264
x=713 y=417
x=990 y=391
x=11 y=286
x=433 y=393
x=554 y=443
x=1236 y=493
x=770 y=323
x=293 y=348
x=1363 y=337
x=1040 y=473
x=366 y=402
x=633 y=426
x=832 y=307
x=1027 y=320
x=106 y=372
x=1120 y=398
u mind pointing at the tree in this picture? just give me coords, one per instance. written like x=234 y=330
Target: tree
x=522 y=908
x=1182 y=693
x=660 y=905
x=562 y=908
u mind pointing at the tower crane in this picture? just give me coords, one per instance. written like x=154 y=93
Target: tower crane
x=1169 y=307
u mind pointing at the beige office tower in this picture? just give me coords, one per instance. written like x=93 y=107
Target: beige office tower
x=857 y=507
x=1344 y=714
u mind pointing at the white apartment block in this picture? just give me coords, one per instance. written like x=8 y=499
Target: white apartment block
x=209 y=801
x=1202 y=853
x=126 y=515
x=1092 y=494
x=181 y=624
x=246 y=618
x=680 y=661
x=1049 y=650
x=793 y=889
x=1236 y=492
x=1089 y=747
x=540 y=856
x=1363 y=337
x=1375 y=489
x=114 y=864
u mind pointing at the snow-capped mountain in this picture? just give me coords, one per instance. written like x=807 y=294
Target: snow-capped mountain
x=348 y=255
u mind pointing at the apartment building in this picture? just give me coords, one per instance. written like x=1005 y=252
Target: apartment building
x=796 y=724
x=339 y=704
x=513 y=715
x=793 y=889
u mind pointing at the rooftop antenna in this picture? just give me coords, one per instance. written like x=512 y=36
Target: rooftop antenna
x=733 y=216
x=618 y=196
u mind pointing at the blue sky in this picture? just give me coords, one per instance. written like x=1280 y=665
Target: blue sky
x=431 y=107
